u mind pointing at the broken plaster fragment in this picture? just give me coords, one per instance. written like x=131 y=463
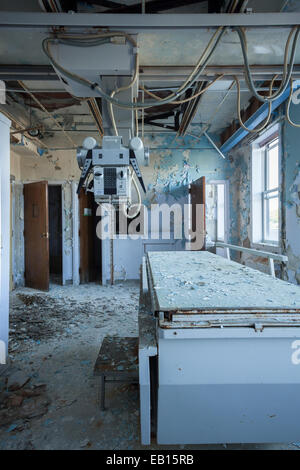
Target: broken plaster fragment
x=17 y=381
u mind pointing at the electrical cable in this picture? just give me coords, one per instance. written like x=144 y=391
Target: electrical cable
x=143 y=119
x=234 y=6
x=287 y=45
x=139 y=204
x=193 y=77
x=136 y=120
x=119 y=103
x=289 y=120
x=287 y=71
x=202 y=57
x=239 y=107
x=123 y=88
x=186 y=99
x=113 y=93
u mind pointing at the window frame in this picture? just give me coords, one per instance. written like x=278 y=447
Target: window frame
x=225 y=183
x=267 y=193
x=258 y=171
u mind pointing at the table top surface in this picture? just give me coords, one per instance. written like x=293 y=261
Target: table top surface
x=202 y=281
x=117 y=355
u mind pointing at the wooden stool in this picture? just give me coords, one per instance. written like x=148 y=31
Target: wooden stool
x=117 y=361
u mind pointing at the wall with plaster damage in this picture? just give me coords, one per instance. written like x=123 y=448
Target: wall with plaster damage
x=291 y=195
x=240 y=210
x=240 y=206
x=174 y=164
x=52 y=166
x=15 y=165
x=17 y=268
x=67 y=232
x=58 y=166
x=240 y=188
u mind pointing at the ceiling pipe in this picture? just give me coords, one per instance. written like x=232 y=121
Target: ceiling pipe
x=95 y=112
x=137 y=22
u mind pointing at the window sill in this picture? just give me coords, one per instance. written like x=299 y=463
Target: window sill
x=272 y=247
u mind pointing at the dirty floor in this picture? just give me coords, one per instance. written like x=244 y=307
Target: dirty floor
x=49 y=398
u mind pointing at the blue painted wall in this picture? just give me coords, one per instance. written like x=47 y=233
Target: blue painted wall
x=240 y=160
x=176 y=162
x=291 y=195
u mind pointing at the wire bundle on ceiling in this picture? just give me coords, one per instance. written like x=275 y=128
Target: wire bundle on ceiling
x=193 y=77
x=104 y=37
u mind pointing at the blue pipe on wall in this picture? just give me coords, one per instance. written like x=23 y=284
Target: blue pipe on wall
x=257 y=118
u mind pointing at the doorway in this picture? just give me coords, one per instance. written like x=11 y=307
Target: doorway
x=197 y=201
x=43 y=238
x=36 y=235
x=55 y=233
x=217 y=209
x=90 y=269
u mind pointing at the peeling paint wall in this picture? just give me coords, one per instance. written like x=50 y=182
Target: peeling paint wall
x=174 y=164
x=240 y=162
x=18 y=267
x=240 y=209
x=240 y=188
x=60 y=167
x=67 y=232
x=55 y=166
x=15 y=165
x=16 y=223
x=291 y=197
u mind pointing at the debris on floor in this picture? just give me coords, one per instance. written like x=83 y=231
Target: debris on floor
x=49 y=396
x=20 y=401
x=37 y=316
x=55 y=338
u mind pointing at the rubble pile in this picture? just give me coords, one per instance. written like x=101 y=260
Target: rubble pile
x=40 y=317
x=20 y=401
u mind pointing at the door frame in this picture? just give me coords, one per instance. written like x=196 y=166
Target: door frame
x=226 y=206
x=25 y=185
x=60 y=183
x=222 y=251
x=63 y=226
x=75 y=227
x=76 y=246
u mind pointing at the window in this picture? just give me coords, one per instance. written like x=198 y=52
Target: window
x=270 y=193
x=265 y=190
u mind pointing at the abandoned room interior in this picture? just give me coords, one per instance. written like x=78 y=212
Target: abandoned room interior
x=149 y=224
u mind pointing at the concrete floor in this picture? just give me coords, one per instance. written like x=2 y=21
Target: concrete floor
x=57 y=346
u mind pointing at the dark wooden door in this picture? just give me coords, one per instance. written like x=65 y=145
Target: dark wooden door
x=36 y=235
x=86 y=237
x=198 y=223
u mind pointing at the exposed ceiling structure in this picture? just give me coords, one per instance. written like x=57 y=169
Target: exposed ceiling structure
x=46 y=111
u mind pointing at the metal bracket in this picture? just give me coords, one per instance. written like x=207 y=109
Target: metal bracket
x=258 y=327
